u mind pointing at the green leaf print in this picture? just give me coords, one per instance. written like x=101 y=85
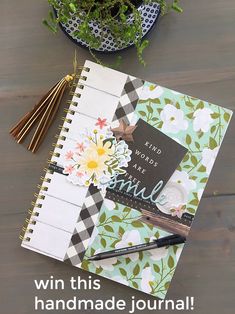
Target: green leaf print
x=142 y=113
x=136 y=270
x=137 y=224
x=202 y=169
x=149 y=108
x=188 y=139
x=226 y=116
x=156 y=268
x=215 y=115
x=135 y=284
x=123 y=271
x=103 y=242
x=102 y=218
x=108 y=228
x=212 y=143
x=116 y=218
x=170 y=262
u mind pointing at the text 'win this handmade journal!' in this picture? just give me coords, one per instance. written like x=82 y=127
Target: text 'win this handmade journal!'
x=130 y=166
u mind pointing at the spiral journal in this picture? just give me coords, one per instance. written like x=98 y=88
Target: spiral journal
x=130 y=165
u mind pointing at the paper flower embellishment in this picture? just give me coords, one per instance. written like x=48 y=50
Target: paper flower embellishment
x=97 y=157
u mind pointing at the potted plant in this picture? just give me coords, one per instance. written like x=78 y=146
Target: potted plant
x=108 y=25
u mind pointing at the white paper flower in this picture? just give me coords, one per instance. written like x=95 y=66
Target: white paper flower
x=173 y=119
x=106 y=264
x=208 y=158
x=159 y=253
x=147 y=280
x=202 y=119
x=182 y=177
x=130 y=238
x=120 y=280
x=151 y=91
x=110 y=205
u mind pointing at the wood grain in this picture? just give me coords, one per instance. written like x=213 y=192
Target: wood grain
x=194 y=53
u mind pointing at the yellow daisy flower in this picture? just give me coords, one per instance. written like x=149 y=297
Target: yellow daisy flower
x=91 y=163
x=103 y=150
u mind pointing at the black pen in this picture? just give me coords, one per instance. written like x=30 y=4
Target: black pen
x=165 y=241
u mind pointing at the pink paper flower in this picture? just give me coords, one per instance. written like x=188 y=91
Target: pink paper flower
x=177 y=211
x=80 y=147
x=69 y=155
x=68 y=170
x=101 y=123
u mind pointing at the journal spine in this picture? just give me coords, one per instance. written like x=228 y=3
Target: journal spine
x=34 y=211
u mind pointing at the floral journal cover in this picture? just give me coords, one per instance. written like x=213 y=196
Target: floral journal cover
x=130 y=165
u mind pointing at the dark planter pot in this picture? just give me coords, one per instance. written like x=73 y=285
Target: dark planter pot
x=149 y=14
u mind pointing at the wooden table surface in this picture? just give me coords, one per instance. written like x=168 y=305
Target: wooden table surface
x=193 y=53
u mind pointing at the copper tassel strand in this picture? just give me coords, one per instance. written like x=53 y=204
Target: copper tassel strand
x=43 y=113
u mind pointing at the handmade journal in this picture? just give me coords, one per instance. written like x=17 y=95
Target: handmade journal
x=130 y=165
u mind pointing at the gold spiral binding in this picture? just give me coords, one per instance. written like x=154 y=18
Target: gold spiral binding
x=27 y=230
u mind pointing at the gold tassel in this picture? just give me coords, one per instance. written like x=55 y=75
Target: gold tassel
x=43 y=113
